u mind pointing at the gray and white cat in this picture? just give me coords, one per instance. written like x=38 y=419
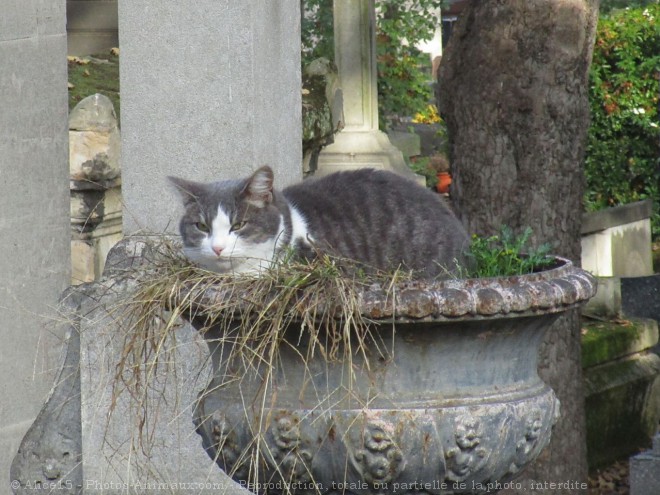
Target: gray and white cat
x=377 y=218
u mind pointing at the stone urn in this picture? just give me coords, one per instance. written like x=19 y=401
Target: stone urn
x=446 y=399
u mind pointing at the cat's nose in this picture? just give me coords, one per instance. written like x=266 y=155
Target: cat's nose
x=217 y=250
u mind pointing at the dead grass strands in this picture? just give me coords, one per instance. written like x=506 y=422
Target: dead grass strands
x=320 y=298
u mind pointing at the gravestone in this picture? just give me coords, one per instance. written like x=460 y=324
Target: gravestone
x=360 y=143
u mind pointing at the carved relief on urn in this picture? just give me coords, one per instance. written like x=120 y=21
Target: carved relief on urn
x=451 y=399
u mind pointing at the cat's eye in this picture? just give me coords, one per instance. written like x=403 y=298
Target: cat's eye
x=237 y=226
x=202 y=227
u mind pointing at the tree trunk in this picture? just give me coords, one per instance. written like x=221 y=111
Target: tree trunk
x=513 y=90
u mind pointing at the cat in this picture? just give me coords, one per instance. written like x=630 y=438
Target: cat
x=377 y=218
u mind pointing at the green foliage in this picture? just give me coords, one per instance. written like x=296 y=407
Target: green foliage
x=422 y=166
x=506 y=254
x=404 y=87
x=317 y=31
x=623 y=148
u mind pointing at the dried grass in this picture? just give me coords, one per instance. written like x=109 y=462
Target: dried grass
x=321 y=298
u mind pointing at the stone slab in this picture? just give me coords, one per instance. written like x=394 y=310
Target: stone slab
x=645 y=471
x=622 y=404
x=640 y=296
x=607 y=341
x=607 y=301
x=210 y=90
x=407 y=142
x=620 y=251
x=613 y=217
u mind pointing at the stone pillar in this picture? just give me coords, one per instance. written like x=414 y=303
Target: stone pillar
x=210 y=90
x=360 y=143
x=34 y=200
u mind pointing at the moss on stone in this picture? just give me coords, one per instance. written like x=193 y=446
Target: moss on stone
x=604 y=341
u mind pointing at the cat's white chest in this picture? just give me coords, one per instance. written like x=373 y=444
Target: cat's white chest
x=299 y=229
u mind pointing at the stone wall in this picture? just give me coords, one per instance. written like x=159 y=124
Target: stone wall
x=34 y=199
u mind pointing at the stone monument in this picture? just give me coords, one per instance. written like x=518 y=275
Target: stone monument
x=34 y=198
x=359 y=143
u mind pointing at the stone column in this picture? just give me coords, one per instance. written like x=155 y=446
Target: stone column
x=210 y=90
x=360 y=143
x=34 y=200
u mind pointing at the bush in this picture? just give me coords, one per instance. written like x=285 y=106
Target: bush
x=404 y=87
x=623 y=150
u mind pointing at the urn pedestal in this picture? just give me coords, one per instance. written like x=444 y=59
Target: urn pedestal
x=446 y=399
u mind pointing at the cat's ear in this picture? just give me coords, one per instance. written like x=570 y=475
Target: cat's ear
x=258 y=189
x=188 y=189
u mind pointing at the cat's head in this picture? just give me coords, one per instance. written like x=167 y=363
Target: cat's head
x=231 y=225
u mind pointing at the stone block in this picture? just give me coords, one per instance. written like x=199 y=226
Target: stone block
x=622 y=403
x=616 y=242
x=87 y=209
x=82 y=262
x=606 y=341
x=607 y=301
x=94 y=140
x=645 y=471
x=407 y=142
x=18 y=20
x=640 y=296
x=51 y=18
x=34 y=200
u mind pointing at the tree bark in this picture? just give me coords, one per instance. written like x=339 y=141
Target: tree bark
x=513 y=90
